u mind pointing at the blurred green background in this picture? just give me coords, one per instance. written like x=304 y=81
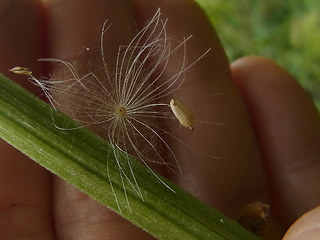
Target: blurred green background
x=286 y=31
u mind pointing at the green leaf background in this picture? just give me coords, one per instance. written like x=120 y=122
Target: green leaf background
x=286 y=31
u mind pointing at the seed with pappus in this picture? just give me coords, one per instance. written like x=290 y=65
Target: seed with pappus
x=127 y=102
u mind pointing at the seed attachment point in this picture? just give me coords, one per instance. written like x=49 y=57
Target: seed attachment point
x=120 y=111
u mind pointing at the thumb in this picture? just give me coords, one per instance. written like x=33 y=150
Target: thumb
x=306 y=227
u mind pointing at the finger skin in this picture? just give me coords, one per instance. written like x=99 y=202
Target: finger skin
x=288 y=128
x=74 y=26
x=236 y=178
x=25 y=187
x=307 y=227
x=22 y=38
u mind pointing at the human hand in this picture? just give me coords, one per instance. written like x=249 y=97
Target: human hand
x=268 y=149
x=307 y=227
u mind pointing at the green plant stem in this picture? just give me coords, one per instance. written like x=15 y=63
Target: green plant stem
x=87 y=161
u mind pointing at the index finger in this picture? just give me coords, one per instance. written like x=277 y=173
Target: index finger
x=220 y=164
x=76 y=26
x=25 y=187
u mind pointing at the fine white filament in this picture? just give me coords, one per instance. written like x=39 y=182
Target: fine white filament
x=128 y=104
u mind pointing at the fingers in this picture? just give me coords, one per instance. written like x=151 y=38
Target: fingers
x=25 y=188
x=74 y=27
x=288 y=127
x=220 y=164
x=77 y=216
x=305 y=228
x=22 y=38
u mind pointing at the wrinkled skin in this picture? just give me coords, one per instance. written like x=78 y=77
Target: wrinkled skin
x=270 y=147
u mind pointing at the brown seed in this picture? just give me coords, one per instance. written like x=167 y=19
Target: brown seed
x=21 y=70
